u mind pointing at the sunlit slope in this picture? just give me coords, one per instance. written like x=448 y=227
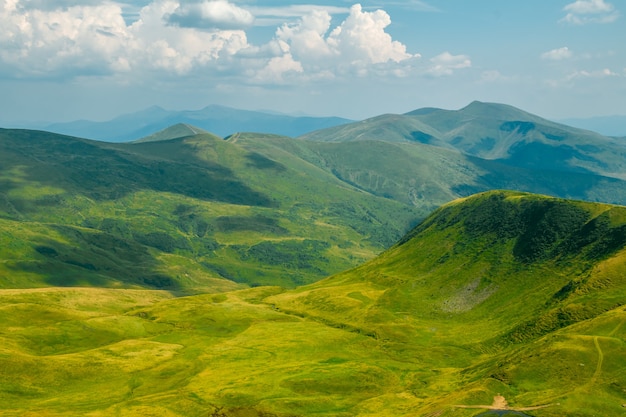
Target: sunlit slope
x=500 y=294
x=179 y=214
x=499 y=275
x=503 y=263
x=494 y=132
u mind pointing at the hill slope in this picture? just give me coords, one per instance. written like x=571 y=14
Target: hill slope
x=184 y=213
x=501 y=294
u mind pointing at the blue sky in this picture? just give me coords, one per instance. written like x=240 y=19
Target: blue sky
x=64 y=60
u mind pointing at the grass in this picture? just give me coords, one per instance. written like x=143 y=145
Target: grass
x=187 y=215
x=502 y=292
x=412 y=332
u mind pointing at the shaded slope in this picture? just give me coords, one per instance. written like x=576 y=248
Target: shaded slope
x=188 y=211
x=104 y=172
x=428 y=176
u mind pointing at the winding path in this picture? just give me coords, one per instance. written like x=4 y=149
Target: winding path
x=500 y=404
x=598 y=371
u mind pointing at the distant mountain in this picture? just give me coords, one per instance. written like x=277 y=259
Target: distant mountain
x=219 y=120
x=177 y=131
x=495 y=132
x=605 y=125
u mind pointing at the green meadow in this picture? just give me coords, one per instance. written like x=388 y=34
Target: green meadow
x=465 y=308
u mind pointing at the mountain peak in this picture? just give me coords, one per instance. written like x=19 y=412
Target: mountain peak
x=179 y=130
x=496 y=111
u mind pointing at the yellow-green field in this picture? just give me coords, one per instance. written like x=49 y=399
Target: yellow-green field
x=499 y=297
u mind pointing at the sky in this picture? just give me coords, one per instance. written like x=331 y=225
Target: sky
x=64 y=60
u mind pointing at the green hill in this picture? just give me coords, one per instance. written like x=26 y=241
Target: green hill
x=428 y=176
x=502 y=294
x=197 y=210
x=187 y=214
x=179 y=130
x=493 y=132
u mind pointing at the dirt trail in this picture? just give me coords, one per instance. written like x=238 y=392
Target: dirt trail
x=596 y=374
x=500 y=403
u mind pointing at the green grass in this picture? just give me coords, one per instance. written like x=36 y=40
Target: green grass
x=452 y=315
x=193 y=214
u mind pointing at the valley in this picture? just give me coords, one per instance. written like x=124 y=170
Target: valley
x=377 y=268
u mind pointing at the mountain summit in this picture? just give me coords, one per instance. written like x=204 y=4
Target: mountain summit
x=492 y=131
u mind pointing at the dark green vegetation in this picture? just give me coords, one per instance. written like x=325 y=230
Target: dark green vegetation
x=486 y=146
x=187 y=214
x=462 y=310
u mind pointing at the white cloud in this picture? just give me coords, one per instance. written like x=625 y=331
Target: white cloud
x=589 y=7
x=362 y=37
x=582 y=12
x=90 y=39
x=603 y=73
x=446 y=63
x=211 y=14
x=557 y=54
x=356 y=46
x=97 y=40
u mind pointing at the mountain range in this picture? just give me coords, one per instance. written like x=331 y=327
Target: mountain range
x=219 y=120
x=375 y=268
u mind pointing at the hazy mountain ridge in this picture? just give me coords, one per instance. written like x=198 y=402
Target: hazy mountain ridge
x=219 y=120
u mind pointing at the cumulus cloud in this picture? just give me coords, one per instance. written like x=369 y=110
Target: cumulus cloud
x=277 y=16
x=180 y=37
x=603 y=73
x=88 y=40
x=211 y=14
x=557 y=54
x=358 y=45
x=582 y=12
x=362 y=37
x=446 y=63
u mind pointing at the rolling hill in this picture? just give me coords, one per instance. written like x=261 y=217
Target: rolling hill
x=190 y=214
x=503 y=295
x=255 y=209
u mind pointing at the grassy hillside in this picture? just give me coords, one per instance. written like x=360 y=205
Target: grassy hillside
x=189 y=214
x=485 y=285
x=501 y=294
x=426 y=176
